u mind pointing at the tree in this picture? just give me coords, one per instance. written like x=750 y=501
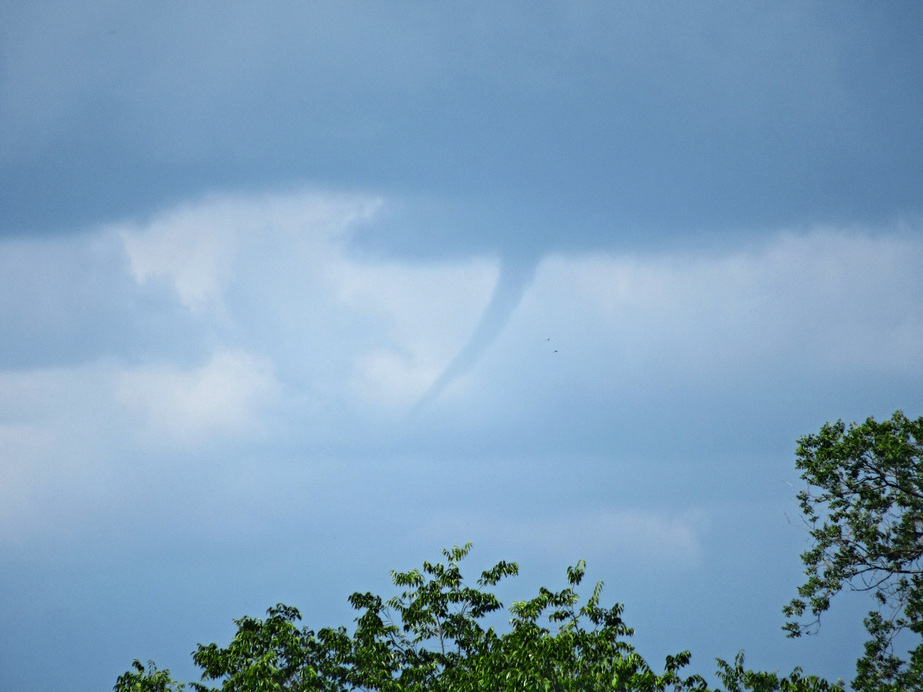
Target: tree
x=433 y=638
x=150 y=680
x=273 y=654
x=436 y=642
x=865 y=515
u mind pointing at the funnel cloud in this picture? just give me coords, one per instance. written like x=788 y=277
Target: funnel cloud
x=515 y=277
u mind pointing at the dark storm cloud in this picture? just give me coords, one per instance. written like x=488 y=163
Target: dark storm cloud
x=558 y=126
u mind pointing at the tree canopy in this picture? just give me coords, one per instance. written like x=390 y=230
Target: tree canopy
x=865 y=514
x=433 y=638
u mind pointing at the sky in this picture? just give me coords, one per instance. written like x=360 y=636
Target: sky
x=294 y=294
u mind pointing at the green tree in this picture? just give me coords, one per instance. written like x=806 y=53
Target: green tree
x=149 y=680
x=864 y=509
x=433 y=637
x=272 y=655
x=437 y=641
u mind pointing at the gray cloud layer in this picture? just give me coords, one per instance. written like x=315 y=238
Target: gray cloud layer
x=596 y=124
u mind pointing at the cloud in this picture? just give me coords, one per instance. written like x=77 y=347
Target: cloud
x=195 y=248
x=511 y=285
x=196 y=260
x=270 y=326
x=826 y=299
x=425 y=313
x=676 y=353
x=80 y=444
x=284 y=262
x=70 y=299
x=223 y=397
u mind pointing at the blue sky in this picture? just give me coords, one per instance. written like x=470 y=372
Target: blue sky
x=294 y=294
